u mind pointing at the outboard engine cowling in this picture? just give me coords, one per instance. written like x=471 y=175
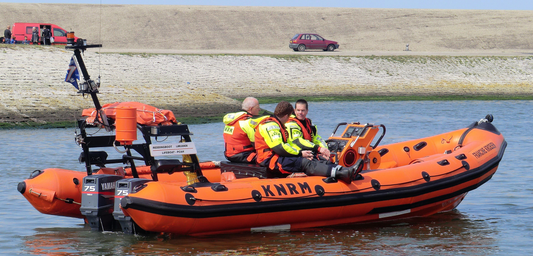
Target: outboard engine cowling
x=97 y=200
x=123 y=188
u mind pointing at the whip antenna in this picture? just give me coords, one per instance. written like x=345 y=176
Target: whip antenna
x=100 y=40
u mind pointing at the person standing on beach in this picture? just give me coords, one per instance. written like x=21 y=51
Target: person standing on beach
x=46 y=36
x=35 y=36
x=7 y=35
x=239 y=132
x=299 y=126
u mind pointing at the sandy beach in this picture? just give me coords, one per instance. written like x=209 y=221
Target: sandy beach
x=196 y=60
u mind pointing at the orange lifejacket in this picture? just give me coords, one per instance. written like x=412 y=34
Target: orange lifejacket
x=307 y=128
x=262 y=149
x=237 y=141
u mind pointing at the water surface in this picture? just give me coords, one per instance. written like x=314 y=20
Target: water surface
x=494 y=219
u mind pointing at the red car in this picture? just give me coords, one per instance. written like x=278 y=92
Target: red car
x=300 y=42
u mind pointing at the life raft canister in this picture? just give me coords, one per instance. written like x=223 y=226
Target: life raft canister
x=126 y=125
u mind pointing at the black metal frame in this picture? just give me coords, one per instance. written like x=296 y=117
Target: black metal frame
x=89 y=142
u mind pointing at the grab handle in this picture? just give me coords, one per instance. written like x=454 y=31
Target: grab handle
x=380 y=137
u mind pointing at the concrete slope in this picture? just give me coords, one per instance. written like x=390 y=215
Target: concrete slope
x=32 y=86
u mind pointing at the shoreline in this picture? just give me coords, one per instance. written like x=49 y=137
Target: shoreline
x=213 y=119
x=200 y=88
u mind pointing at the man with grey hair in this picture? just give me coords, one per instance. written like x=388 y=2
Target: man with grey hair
x=239 y=132
x=251 y=105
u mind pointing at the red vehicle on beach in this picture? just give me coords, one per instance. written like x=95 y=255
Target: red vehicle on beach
x=300 y=42
x=20 y=30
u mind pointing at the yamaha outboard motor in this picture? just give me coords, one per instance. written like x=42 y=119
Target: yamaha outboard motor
x=98 y=194
x=123 y=188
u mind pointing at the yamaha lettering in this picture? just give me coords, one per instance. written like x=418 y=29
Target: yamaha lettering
x=108 y=186
x=287 y=189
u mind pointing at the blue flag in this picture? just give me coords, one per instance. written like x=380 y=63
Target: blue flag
x=72 y=73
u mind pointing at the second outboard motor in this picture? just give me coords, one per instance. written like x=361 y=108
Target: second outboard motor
x=123 y=188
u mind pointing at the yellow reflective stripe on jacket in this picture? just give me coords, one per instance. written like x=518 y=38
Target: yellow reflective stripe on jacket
x=319 y=141
x=228 y=118
x=303 y=144
x=296 y=136
x=294 y=130
x=271 y=133
x=251 y=124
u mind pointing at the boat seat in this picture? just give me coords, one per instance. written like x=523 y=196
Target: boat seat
x=170 y=166
x=243 y=170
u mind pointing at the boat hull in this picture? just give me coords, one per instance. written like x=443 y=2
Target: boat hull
x=290 y=220
x=426 y=185
x=297 y=213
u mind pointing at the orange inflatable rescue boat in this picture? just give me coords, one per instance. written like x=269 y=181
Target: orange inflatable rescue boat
x=154 y=186
x=407 y=179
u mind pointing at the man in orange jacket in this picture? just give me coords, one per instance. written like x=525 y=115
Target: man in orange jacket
x=239 y=132
x=283 y=158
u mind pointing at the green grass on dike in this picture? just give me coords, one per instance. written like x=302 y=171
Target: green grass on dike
x=34 y=125
x=73 y=124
